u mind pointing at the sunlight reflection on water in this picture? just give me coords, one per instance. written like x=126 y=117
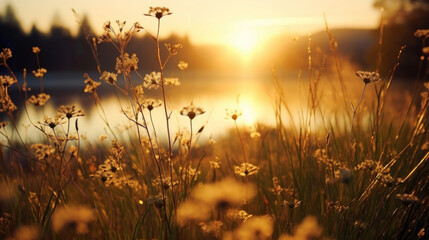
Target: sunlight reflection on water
x=214 y=92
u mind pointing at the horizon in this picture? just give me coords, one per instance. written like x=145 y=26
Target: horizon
x=251 y=24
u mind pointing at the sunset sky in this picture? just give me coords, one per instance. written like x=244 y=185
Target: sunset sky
x=205 y=22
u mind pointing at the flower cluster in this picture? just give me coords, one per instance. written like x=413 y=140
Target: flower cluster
x=246 y=169
x=40 y=100
x=42 y=151
x=152 y=80
x=368 y=77
x=5 y=55
x=91 y=85
x=220 y=196
x=126 y=64
x=182 y=65
x=233 y=114
x=73 y=216
x=173 y=49
x=158 y=12
x=40 y=72
x=69 y=111
x=191 y=111
x=109 y=77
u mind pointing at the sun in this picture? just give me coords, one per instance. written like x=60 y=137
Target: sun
x=245 y=41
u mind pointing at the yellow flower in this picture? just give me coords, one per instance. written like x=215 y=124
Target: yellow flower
x=307 y=229
x=36 y=50
x=173 y=49
x=5 y=54
x=126 y=64
x=109 y=77
x=6 y=80
x=76 y=216
x=182 y=65
x=246 y=169
x=70 y=111
x=40 y=72
x=257 y=228
x=233 y=114
x=368 y=77
x=158 y=12
x=40 y=100
x=91 y=85
x=224 y=194
x=191 y=111
x=152 y=80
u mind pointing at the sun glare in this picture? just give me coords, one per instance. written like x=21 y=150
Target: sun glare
x=245 y=41
x=248 y=111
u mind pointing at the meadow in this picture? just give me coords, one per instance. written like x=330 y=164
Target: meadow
x=344 y=160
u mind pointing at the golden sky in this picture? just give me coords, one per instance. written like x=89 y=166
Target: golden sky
x=204 y=21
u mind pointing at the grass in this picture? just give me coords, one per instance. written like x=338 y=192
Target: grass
x=353 y=171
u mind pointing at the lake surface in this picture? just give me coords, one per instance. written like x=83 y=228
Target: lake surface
x=213 y=91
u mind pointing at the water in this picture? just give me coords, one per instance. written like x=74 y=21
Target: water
x=252 y=93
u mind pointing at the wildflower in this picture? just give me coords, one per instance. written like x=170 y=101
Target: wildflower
x=172 y=81
x=106 y=36
x=238 y=215
x=255 y=135
x=109 y=77
x=407 y=199
x=91 y=85
x=182 y=65
x=368 y=77
x=36 y=50
x=260 y=227
x=246 y=169
x=165 y=182
x=192 y=211
x=70 y=111
x=233 y=114
x=421 y=233
x=40 y=72
x=102 y=137
x=213 y=227
x=277 y=188
x=307 y=229
x=5 y=54
x=367 y=164
x=152 y=80
x=224 y=194
x=6 y=81
x=125 y=64
x=139 y=91
x=40 y=100
x=151 y=103
x=215 y=163
x=76 y=216
x=6 y=104
x=52 y=123
x=173 y=49
x=158 y=12
x=42 y=151
x=191 y=172
x=191 y=111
